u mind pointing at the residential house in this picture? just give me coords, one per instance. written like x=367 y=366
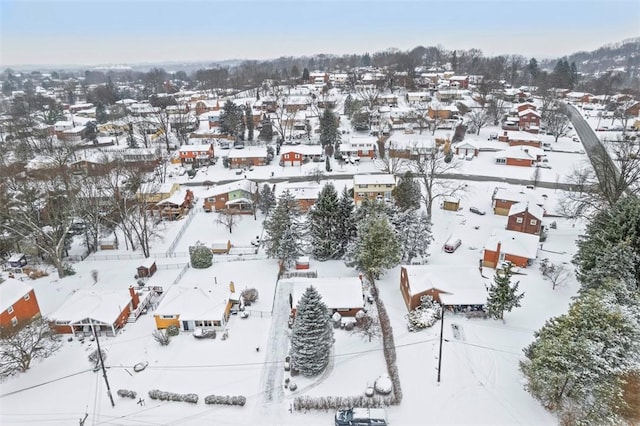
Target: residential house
x=358 y=147
x=459 y=81
x=152 y=194
x=502 y=200
x=247 y=157
x=524 y=106
x=299 y=154
x=190 y=307
x=442 y=112
x=518 y=248
x=102 y=310
x=518 y=138
x=205 y=106
x=578 y=97
x=197 y=155
x=339 y=294
x=516 y=156
x=176 y=206
x=529 y=120
x=296 y=103
x=305 y=193
x=525 y=217
x=376 y=187
x=18 y=305
x=417 y=97
x=465 y=149
x=388 y=99
x=237 y=196
x=455 y=286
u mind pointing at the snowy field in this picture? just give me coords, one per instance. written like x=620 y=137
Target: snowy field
x=480 y=379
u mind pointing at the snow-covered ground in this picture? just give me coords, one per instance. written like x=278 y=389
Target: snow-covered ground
x=480 y=382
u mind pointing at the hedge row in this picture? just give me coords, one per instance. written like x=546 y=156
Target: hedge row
x=170 y=396
x=304 y=403
x=125 y=393
x=225 y=400
x=389 y=349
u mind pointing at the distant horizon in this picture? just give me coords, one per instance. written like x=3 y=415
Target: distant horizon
x=93 y=33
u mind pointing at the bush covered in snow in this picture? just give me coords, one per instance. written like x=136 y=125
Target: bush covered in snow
x=336 y=318
x=225 y=400
x=173 y=330
x=425 y=315
x=249 y=295
x=94 y=358
x=125 y=393
x=201 y=256
x=161 y=337
x=304 y=403
x=383 y=385
x=170 y=396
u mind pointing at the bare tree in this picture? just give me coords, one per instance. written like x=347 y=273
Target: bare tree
x=479 y=118
x=430 y=168
x=535 y=176
x=556 y=119
x=421 y=113
x=228 y=218
x=556 y=273
x=392 y=161
x=370 y=96
x=18 y=349
x=367 y=325
x=495 y=110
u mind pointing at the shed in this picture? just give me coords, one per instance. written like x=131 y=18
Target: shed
x=221 y=247
x=147 y=268
x=451 y=204
x=17 y=260
x=302 y=262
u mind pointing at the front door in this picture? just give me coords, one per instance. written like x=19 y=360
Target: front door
x=185 y=325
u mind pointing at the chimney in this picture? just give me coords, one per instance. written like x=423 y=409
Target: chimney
x=135 y=300
x=505 y=133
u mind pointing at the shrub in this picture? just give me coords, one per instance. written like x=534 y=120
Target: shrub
x=68 y=269
x=337 y=319
x=424 y=315
x=304 y=403
x=225 y=400
x=161 y=337
x=125 y=393
x=173 y=330
x=349 y=326
x=94 y=358
x=249 y=295
x=292 y=386
x=201 y=256
x=170 y=396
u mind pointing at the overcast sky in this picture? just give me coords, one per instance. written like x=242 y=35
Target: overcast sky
x=92 y=32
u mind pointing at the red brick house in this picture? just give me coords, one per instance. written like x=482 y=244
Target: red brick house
x=525 y=106
x=459 y=81
x=237 y=195
x=529 y=120
x=299 y=154
x=516 y=156
x=525 y=217
x=18 y=305
x=448 y=285
x=518 y=248
x=247 y=157
x=196 y=154
x=518 y=138
x=207 y=106
x=342 y=295
x=502 y=200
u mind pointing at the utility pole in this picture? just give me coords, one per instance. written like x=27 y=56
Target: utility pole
x=104 y=371
x=440 y=351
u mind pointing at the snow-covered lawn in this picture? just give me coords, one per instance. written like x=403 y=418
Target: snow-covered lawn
x=480 y=381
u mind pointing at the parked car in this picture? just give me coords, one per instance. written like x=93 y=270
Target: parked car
x=361 y=417
x=204 y=333
x=452 y=244
x=477 y=211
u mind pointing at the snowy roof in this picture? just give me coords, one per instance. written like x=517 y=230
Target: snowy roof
x=302 y=149
x=12 y=290
x=515 y=243
x=522 y=136
x=528 y=111
x=534 y=209
x=103 y=306
x=516 y=152
x=245 y=185
x=147 y=263
x=462 y=285
x=194 y=303
x=198 y=148
x=16 y=257
x=336 y=292
x=377 y=179
x=466 y=145
x=253 y=152
x=505 y=194
x=177 y=198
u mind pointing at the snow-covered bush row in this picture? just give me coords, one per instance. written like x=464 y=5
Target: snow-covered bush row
x=225 y=400
x=389 y=348
x=170 y=396
x=305 y=403
x=126 y=393
x=425 y=315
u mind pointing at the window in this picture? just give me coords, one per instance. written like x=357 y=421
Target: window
x=198 y=323
x=208 y=323
x=168 y=316
x=501 y=161
x=14 y=321
x=519 y=220
x=62 y=322
x=343 y=309
x=296 y=156
x=533 y=222
x=27 y=296
x=10 y=310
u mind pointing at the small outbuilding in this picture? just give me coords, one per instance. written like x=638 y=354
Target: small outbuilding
x=147 y=268
x=302 y=262
x=451 y=204
x=17 y=260
x=221 y=247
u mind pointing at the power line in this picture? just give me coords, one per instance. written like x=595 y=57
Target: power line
x=44 y=383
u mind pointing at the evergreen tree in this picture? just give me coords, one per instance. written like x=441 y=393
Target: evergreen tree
x=267 y=199
x=324 y=226
x=454 y=61
x=248 y=118
x=576 y=364
x=375 y=248
x=502 y=295
x=347 y=105
x=101 y=113
x=305 y=75
x=407 y=192
x=617 y=262
x=346 y=225
x=289 y=248
x=91 y=131
x=266 y=131
x=329 y=131
x=311 y=335
x=413 y=230
x=232 y=120
x=533 y=69
x=284 y=217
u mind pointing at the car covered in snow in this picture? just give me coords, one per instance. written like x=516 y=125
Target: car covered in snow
x=477 y=211
x=361 y=417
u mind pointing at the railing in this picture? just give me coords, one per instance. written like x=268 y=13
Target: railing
x=185 y=267
x=183 y=228
x=261 y=314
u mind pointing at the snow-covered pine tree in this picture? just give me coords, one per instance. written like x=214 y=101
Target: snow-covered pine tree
x=329 y=131
x=576 y=364
x=502 y=295
x=324 y=226
x=286 y=215
x=375 y=248
x=311 y=335
x=413 y=229
x=201 y=256
x=407 y=192
x=616 y=261
x=289 y=248
x=267 y=199
x=346 y=225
